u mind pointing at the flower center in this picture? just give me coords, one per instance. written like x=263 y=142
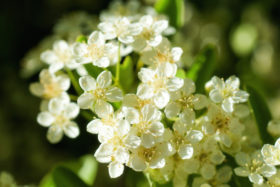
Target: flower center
x=51 y=90
x=95 y=51
x=221 y=123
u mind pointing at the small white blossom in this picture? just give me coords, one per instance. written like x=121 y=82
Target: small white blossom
x=96 y=51
x=221 y=179
x=157 y=84
x=253 y=167
x=146 y=123
x=99 y=91
x=121 y=29
x=114 y=149
x=151 y=33
x=59 y=57
x=184 y=102
x=271 y=153
x=222 y=124
x=59 y=119
x=153 y=157
x=50 y=85
x=273 y=127
x=163 y=53
x=226 y=92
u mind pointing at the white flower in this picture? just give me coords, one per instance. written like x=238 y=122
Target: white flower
x=157 y=84
x=59 y=56
x=151 y=33
x=116 y=141
x=59 y=119
x=271 y=153
x=206 y=156
x=132 y=100
x=184 y=102
x=121 y=29
x=153 y=157
x=184 y=139
x=226 y=92
x=222 y=125
x=50 y=85
x=99 y=91
x=146 y=123
x=253 y=167
x=221 y=179
x=163 y=53
x=96 y=51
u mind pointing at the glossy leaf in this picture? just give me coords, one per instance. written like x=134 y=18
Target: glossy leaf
x=127 y=74
x=261 y=112
x=92 y=70
x=203 y=67
x=175 y=9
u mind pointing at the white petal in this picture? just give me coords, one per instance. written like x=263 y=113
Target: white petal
x=56 y=106
x=137 y=163
x=87 y=83
x=123 y=127
x=96 y=38
x=54 y=134
x=71 y=110
x=64 y=82
x=146 y=75
x=146 y=20
x=55 y=67
x=147 y=140
x=233 y=81
x=175 y=84
x=172 y=110
x=256 y=178
x=161 y=98
x=104 y=79
x=71 y=129
x=79 y=49
x=216 y=96
x=132 y=141
x=157 y=128
x=131 y=115
x=103 y=62
x=187 y=116
x=195 y=136
x=103 y=109
x=130 y=100
x=157 y=163
x=241 y=171
x=185 y=151
x=60 y=46
x=108 y=30
x=94 y=126
x=176 y=53
x=208 y=171
x=268 y=171
x=144 y=91
x=104 y=152
x=115 y=169
x=200 y=101
x=240 y=96
x=160 y=26
x=114 y=94
x=242 y=159
x=122 y=155
x=155 y=40
x=85 y=101
x=45 y=119
x=188 y=87
x=49 y=57
x=150 y=113
x=227 y=105
x=37 y=89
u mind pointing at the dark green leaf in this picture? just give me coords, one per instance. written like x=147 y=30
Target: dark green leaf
x=174 y=9
x=203 y=67
x=261 y=113
x=63 y=176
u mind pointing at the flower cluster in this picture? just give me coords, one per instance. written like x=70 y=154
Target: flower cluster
x=162 y=126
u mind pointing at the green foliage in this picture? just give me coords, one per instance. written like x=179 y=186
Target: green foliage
x=181 y=73
x=175 y=9
x=203 y=67
x=81 y=39
x=92 y=70
x=127 y=74
x=81 y=172
x=261 y=112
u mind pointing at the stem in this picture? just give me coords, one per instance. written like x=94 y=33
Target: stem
x=74 y=81
x=73 y=97
x=87 y=115
x=117 y=78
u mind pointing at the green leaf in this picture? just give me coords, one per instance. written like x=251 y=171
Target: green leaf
x=261 y=112
x=92 y=70
x=174 y=9
x=85 y=168
x=181 y=73
x=63 y=176
x=203 y=67
x=81 y=39
x=127 y=74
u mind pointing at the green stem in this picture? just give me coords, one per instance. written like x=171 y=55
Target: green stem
x=117 y=78
x=88 y=116
x=74 y=81
x=73 y=97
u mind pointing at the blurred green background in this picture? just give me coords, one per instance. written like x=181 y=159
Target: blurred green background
x=246 y=34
